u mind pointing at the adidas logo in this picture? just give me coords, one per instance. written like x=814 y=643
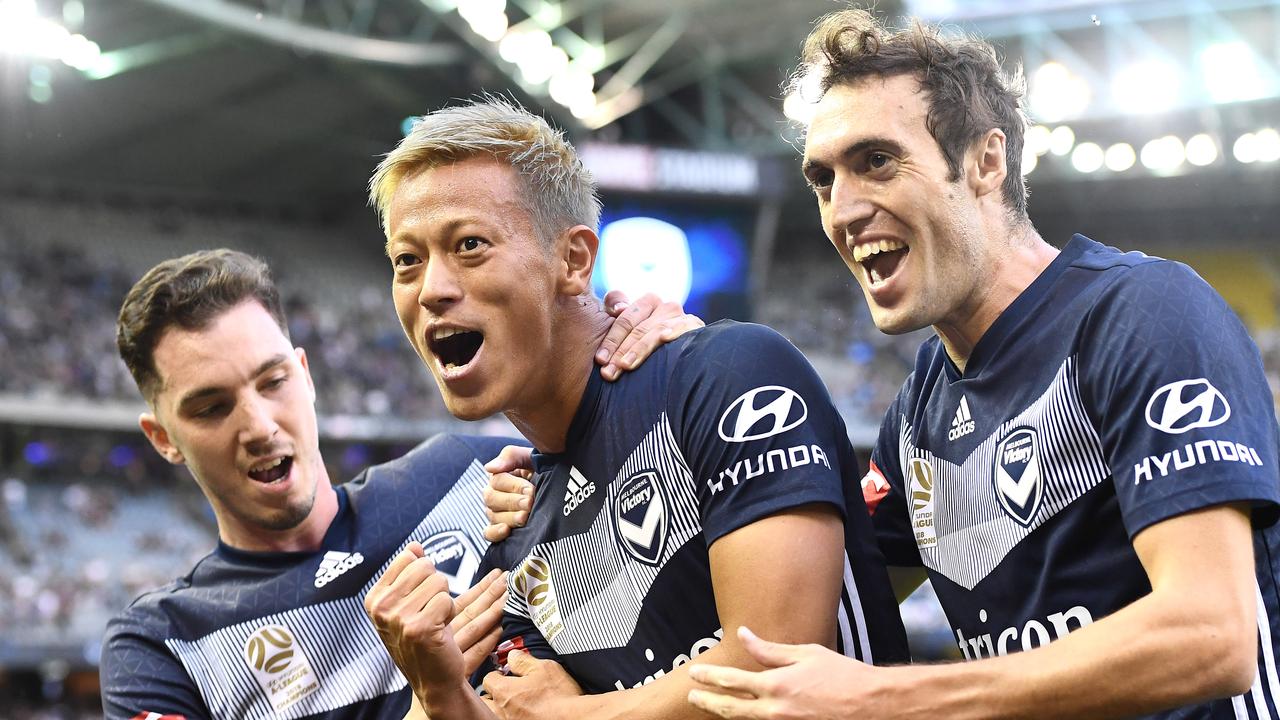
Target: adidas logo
x=335 y=563
x=963 y=423
x=579 y=490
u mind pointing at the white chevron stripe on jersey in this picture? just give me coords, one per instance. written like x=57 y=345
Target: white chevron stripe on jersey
x=1267 y=682
x=600 y=599
x=351 y=665
x=851 y=598
x=974 y=533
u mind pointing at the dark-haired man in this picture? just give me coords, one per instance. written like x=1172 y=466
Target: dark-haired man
x=1084 y=459
x=270 y=624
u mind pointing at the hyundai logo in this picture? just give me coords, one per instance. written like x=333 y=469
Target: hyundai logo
x=761 y=413
x=1185 y=405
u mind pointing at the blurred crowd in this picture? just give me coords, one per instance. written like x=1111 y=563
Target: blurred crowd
x=57 y=339
x=90 y=519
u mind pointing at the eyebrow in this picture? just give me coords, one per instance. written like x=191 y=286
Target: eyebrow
x=204 y=392
x=447 y=228
x=892 y=146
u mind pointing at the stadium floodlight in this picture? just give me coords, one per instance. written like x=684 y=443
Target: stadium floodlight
x=540 y=59
x=1087 y=157
x=548 y=14
x=1268 y=145
x=511 y=46
x=1245 y=148
x=23 y=32
x=571 y=85
x=795 y=107
x=1061 y=140
x=1120 y=157
x=73 y=13
x=490 y=27
x=1230 y=73
x=1147 y=86
x=1201 y=150
x=16 y=13
x=80 y=52
x=487 y=18
x=584 y=106
x=1037 y=140
x=1029 y=160
x=1164 y=154
x=1056 y=93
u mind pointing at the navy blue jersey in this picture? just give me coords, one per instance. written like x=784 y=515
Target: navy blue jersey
x=284 y=634
x=717 y=430
x=1117 y=391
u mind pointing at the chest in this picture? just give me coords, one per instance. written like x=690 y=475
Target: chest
x=983 y=470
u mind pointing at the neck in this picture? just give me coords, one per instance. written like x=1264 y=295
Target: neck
x=578 y=329
x=1010 y=266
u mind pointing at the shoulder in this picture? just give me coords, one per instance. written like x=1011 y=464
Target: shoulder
x=459 y=450
x=1134 y=281
x=728 y=342
x=443 y=457
x=151 y=612
x=144 y=623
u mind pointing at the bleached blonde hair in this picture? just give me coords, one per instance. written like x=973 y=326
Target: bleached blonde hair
x=559 y=190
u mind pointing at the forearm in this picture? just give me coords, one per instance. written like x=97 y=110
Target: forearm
x=452 y=702
x=665 y=697
x=1156 y=653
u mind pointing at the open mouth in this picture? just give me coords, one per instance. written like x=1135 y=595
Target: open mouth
x=881 y=259
x=273 y=471
x=455 y=348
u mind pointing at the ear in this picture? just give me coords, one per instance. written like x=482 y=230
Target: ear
x=159 y=438
x=578 y=254
x=306 y=372
x=987 y=163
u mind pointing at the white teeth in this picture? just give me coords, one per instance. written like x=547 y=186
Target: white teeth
x=442 y=333
x=862 y=251
x=268 y=466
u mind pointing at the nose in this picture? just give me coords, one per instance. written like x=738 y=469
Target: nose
x=440 y=285
x=259 y=426
x=850 y=208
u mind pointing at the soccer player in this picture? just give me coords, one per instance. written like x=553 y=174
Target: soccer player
x=709 y=488
x=271 y=624
x=1083 y=461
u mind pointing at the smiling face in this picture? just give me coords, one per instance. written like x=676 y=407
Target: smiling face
x=908 y=234
x=474 y=286
x=236 y=405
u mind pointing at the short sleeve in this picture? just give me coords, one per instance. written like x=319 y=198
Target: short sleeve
x=141 y=678
x=884 y=489
x=756 y=426
x=1177 y=390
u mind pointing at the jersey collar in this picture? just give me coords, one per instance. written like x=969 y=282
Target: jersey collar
x=1026 y=301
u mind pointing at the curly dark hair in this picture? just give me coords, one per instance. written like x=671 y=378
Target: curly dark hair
x=969 y=93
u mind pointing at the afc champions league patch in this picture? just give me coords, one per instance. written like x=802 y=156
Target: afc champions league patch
x=921 y=478
x=279 y=665
x=1018 y=481
x=641 y=517
x=455 y=557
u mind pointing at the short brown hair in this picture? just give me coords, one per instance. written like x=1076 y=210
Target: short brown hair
x=188 y=292
x=969 y=93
